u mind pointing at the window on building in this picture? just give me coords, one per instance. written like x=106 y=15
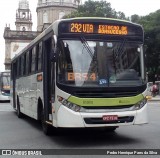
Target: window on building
x=23 y=15
x=45 y=17
x=44 y=1
x=23 y=29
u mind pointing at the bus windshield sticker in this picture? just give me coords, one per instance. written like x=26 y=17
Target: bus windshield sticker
x=109 y=45
x=112 y=79
x=103 y=81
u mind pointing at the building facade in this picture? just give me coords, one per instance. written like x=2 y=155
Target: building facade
x=50 y=10
x=16 y=40
x=47 y=12
x=23 y=17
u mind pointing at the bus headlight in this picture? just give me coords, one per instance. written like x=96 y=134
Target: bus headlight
x=140 y=104
x=70 y=105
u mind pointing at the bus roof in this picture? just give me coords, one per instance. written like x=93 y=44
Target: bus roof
x=98 y=18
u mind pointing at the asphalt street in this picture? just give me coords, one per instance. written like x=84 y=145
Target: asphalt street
x=26 y=133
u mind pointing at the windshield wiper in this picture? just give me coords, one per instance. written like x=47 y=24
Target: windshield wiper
x=87 y=47
x=120 y=49
x=90 y=52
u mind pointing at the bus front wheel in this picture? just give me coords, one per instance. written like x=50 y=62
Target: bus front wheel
x=46 y=127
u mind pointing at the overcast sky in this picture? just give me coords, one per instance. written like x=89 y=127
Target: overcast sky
x=8 y=14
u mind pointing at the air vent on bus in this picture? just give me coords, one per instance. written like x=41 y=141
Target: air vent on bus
x=104 y=94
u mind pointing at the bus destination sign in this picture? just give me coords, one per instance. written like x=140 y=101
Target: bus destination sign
x=98 y=28
x=109 y=28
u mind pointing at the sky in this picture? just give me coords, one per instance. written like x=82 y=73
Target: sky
x=8 y=14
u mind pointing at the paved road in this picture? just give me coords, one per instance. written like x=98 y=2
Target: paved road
x=26 y=133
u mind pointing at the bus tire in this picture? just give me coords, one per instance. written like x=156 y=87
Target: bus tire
x=46 y=127
x=19 y=114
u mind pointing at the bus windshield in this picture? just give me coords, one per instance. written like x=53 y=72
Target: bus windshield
x=97 y=63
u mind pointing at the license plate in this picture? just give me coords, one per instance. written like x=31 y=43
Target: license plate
x=110 y=117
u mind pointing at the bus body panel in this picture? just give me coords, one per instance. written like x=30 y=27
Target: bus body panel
x=142 y=116
x=28 y=92
x=68 y=118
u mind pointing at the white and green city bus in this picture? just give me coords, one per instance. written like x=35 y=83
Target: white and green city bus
x=82 y=72
x=5 y=85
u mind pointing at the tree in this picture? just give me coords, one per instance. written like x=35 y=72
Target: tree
x=151 y=24
x=96 y=9
x=135 y=18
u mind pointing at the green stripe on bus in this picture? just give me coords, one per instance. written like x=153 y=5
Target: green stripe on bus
x=106 y=101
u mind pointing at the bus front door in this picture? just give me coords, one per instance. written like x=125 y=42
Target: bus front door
x=48 y=78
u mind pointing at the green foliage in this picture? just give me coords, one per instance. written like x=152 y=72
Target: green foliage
x=151 y=24
x=96 y=9
x=151 y=21
x=135 y=18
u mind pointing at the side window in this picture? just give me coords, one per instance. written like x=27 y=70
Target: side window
x=33 y=63
x=30 y=61
x=24 y=64
x=37 y=54
x=14 y=70
x=11 y=71
x=19 y=67
x=27 y=63
x=40 y=57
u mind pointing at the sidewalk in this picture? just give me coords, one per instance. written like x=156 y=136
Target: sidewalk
x=156 y=98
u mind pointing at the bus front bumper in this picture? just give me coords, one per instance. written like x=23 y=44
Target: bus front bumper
x=70 y=119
